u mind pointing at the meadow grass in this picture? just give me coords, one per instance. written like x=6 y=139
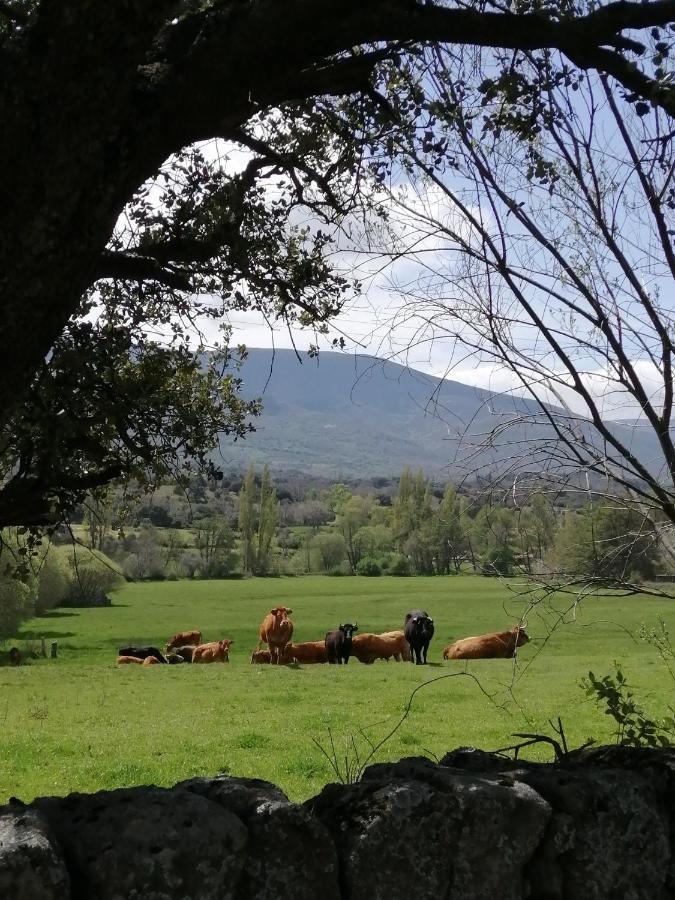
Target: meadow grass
x=81 y=723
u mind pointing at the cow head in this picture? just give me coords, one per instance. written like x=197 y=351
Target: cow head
x=348 y=630
x=225 y=647
x=281 y=612
x=521 y=635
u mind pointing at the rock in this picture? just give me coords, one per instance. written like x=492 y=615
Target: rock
x=148 y=843
x=609 y=835
x=434 y=832
x=291 y=854
x=31 y=864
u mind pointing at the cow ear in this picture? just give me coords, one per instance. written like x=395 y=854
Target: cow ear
x=431 y=620
x=274 y=611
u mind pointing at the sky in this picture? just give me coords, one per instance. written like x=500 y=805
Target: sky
x=380 y=323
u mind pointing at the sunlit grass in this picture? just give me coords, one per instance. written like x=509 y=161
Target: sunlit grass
x=80 y=723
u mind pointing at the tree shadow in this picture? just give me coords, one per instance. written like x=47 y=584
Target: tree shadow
x=37 y=635
x=56 y=614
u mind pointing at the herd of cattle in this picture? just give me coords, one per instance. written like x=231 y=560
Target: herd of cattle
x=276 y=630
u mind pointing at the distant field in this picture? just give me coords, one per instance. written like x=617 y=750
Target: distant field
x=80 y=723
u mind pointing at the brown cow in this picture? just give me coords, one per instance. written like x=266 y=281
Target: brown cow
x=369 y=647
x=499 y=645
x=184 y=637
x=264 y=656
x=308 y=653
x=129 y=660
x=150 y=661
x=276 y=630
x=215 y=651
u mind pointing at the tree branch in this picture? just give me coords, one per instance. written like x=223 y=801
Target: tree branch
x=128 y=265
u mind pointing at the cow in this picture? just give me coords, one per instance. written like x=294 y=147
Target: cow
x=339 y=643
x=215 y=651
x=264 y=656
x=308 y=653
x=276 y=630
x=150 y=661
x=175 y=659
x=15 y=656
x=402 y=651
x=185 y=652
x=184 y=637
x=369 y=647
x=142 y=653
x=499 y=645
x=418 y=630
x=129 y=660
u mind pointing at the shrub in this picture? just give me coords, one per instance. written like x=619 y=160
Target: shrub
x=368 y=566
x=398 y=565
x=499 y=561
x=54 y=581
x=92 y=577
x=17 y=601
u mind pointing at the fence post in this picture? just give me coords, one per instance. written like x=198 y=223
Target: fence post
x=54 y=649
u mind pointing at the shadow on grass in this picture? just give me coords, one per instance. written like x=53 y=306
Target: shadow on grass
x=38 y=635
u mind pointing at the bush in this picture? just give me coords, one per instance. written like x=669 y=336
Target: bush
x=398 y=565
x=17 y=601
x=92 y=577
x=369 y=567
x=54 y=581
x=499 y=561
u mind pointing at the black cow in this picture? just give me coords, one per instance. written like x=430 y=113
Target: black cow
x=186 y=652
x=339 y=643
x=419 y=630
x=174 y=659
x=141 y=652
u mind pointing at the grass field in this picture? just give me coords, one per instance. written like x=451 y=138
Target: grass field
x=80 y=723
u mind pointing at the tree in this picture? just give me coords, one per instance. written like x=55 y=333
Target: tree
x=607 y=543
x=258 y=518
x=119 y=89
x=331 y=550
x=215 y=542
x=546 y=201
x=354 y=514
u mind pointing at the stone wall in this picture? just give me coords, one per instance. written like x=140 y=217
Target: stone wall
x=474 y=827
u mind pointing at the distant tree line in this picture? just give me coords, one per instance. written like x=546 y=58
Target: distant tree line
x=403 y=527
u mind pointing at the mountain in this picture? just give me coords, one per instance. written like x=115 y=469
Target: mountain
x=344 y=416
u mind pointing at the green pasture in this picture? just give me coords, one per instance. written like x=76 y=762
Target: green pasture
x=81 y=723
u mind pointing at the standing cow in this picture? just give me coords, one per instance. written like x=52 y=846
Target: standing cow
x=419 y=630
x=339 y=643
x=276 y=630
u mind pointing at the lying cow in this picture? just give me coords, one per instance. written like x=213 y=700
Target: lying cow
x=215 y=651
x=141 y=653
x=276 y=630
x=369 y=647
x=264 y=657
x=339 y=643
x=499 y=645
x=185 y=652
x=308 y=653
x=129 y=660
x=184 y=637
x=418 y=630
